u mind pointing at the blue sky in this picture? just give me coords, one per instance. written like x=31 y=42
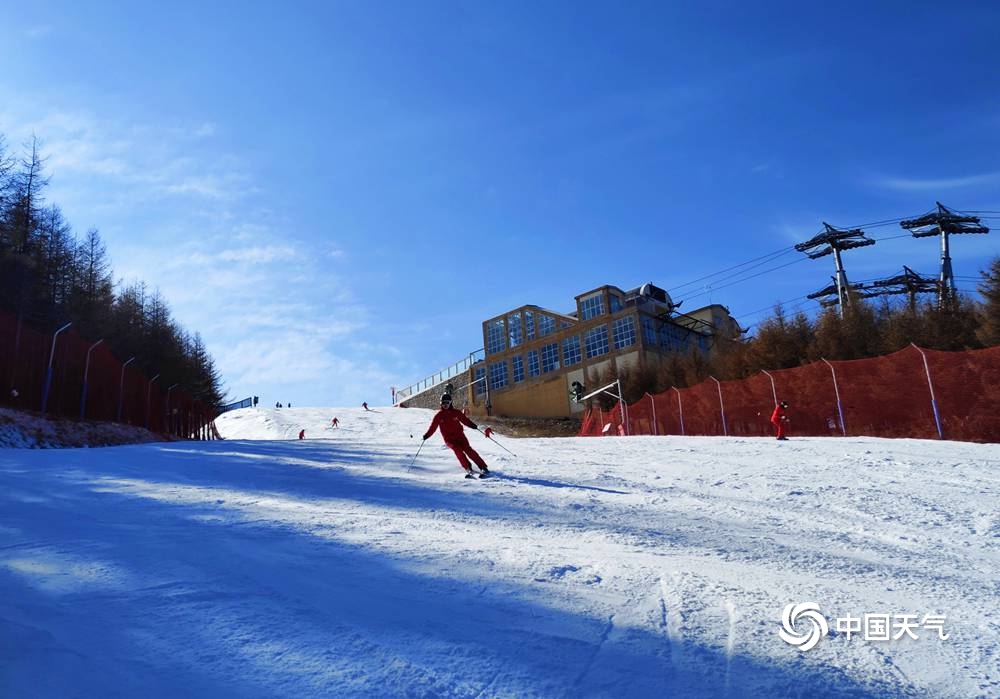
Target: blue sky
x=337 y=194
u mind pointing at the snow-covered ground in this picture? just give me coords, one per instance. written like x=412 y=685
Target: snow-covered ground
x=266 y=566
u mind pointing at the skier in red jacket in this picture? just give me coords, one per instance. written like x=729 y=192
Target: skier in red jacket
x=450 y=421
x=778 y=419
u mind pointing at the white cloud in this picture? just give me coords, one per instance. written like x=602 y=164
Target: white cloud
x=910 y=184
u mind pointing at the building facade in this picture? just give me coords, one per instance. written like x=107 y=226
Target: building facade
x=534 y=355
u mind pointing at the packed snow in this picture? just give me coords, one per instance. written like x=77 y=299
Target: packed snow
x=340 y=565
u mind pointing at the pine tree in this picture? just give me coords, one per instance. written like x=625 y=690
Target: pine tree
x=780 y=343
x=93 y=291
x=989 y=311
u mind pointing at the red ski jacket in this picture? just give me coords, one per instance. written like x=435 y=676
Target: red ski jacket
x=450 y=421
x=778 y=415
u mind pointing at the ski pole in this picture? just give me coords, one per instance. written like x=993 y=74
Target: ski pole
x=413 y=460
x=490 y=437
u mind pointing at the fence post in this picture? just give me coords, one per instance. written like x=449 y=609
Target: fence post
x=653 y=403
x=48 y=372
x=836 y=390
x=680 y=409
x=86 y=372
x=722 y=407
x=774 y=391
x=121 y=388
x=149 y=393
x=930 y=384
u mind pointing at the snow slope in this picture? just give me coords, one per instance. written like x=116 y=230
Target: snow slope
x=266 y=566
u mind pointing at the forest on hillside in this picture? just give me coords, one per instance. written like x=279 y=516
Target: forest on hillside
x=50 y=276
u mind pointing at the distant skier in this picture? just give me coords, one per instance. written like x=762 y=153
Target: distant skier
x=334 y=422
x=778 y=419
x=365 y=406
x=450 y=421
x=302 y=434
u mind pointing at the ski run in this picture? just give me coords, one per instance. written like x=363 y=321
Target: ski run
x=340 y=566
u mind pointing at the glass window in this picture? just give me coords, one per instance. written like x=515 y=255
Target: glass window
x=514 y=332
x=649 y=331
x=495 y=337
x=592 y=306
x=597 y=341
x=624 y=332
x=533 y=367
x=571 y=350
x=673 y=337
x=517 y=368
x=550 y=357
x=546 y=325
x=498 y=375
x=529 y=325
x=480 y=383
x=616 y=303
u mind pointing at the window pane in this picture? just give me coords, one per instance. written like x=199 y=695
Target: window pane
x=571 y=350
x=514 y=331
x=597 y=341
x=517 y=368
x=529 y=325
x=495 y=340
x=498 y=375
x=624 y=332
x=592 y=306
x=533 y=366
x=546 y=325
x=480 y=385
x=550 y=357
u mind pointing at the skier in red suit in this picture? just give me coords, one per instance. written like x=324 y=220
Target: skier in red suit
x=450 y=421
x=778 y=419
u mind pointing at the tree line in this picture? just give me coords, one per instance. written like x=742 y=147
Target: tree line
x=50 y=276
x=866 y=329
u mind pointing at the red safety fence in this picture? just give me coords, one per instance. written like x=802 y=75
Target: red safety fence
x=64 y=374
x=911 y=393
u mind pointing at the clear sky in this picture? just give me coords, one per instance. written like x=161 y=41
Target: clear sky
x=337 y=194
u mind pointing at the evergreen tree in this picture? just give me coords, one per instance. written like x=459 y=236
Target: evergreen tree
x=780 y=343
x=93 y=292
x=989 y=311
x=853 y=336
x=951 y=325
x=206 y=382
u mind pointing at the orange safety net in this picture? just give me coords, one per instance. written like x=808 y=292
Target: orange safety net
x=83 y=379
x=910 y=393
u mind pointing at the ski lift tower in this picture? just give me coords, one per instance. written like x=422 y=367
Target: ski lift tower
x=834 y=241
x=909 y=282
x=943 y=222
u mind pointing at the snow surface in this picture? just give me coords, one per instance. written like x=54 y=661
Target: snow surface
x=266 y=566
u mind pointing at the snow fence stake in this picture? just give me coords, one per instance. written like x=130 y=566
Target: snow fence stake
x=836 y=390
x=934 y=407
x=680 y=408
x=722 y=406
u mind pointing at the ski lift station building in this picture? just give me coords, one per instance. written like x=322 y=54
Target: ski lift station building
x=532 y=356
